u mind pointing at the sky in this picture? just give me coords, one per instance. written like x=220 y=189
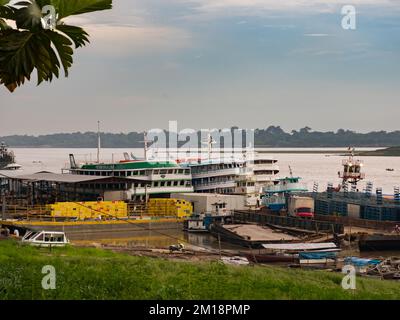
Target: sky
x=222 y=63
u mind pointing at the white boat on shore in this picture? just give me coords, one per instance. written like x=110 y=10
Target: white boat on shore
x=45 y=238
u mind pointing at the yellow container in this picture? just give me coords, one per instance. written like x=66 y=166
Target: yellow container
x=90 y=209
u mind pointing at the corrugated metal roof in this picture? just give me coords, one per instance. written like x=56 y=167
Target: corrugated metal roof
x=300 y=246
x=61 y=178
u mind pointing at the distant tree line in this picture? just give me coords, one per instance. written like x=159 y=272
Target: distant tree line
x=273 y=136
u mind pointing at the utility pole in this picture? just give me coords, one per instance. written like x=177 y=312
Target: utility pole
x=3 y=206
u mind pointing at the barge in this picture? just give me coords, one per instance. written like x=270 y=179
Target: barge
x=379 y=242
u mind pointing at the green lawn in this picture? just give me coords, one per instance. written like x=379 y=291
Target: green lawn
x=84 y=273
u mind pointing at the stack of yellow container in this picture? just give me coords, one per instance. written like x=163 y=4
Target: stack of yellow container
x=169 y=207
x=90 y=209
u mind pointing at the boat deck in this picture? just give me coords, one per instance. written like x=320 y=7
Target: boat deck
x=258 y=233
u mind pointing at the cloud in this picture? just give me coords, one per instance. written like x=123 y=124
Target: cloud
x=133 y=39
x=317 y=5
x=316 y=35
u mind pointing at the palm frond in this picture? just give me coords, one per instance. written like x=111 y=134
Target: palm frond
x=67 y=8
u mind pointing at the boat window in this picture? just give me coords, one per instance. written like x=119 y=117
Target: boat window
x=187 y=171
x=162 y=183
x=155 y=184
x=175 y=183
x=170 y=171
x=156 y=171
x=163 y=171
x=180 y=171
x=182 y=183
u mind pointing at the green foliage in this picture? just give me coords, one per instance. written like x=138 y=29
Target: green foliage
x=84 y=273
x=30 y=46
x=263 y=138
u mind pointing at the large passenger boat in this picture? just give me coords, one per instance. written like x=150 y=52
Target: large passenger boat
x=149 y=177
x=237 y=176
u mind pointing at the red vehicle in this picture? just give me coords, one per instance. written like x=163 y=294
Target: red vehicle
x=299 y=206
x=304 y=212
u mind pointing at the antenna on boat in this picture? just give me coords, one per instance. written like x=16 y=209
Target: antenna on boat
x=210 y=141
x=98 y=142
x=290 y=172
x=145 y=144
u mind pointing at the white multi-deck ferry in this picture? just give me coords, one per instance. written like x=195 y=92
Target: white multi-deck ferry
x=233 y=177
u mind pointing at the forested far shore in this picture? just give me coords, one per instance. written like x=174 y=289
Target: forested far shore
x=273 y=136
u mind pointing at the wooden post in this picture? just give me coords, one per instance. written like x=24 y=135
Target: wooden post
x=3 y=206
x=219 y=245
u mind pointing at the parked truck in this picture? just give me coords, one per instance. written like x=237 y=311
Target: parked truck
x=302 y=207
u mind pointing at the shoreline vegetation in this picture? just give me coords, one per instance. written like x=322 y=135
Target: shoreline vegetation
x=387 y=152
x=271 y=137
x=92 y=273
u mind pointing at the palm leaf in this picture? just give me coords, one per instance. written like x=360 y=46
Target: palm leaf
x=79 y=36
x=22 y=51
x=63 y=47
x=67 y=8
x=7 y=12
x=28 y=16
x=4 y=25
x=31 y=47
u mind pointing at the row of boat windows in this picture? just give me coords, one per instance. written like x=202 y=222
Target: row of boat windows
x=260 y=172
x=265 y=161
x=161 y=184
x=213 y=179
x=154 y=184
x=239 y=184
x=118 y=173
x=217 y=166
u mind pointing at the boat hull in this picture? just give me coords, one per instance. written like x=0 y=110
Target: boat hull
x=270 y=258
x=379 y=243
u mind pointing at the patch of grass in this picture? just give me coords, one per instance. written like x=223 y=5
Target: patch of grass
x=89 y=273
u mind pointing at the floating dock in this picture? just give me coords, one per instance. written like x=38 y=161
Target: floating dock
x=250 y=235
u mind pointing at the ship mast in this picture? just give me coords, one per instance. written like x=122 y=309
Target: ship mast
x=98 y=142
x=210 y=141
x=145 y=144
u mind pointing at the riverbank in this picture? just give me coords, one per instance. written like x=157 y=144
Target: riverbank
x=388 y=152
x=90 y=273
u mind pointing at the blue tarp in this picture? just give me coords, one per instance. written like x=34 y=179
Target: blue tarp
x=317 y=255
x=360 y=262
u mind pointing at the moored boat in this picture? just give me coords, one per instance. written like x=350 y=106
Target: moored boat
x=379 y=242
x=45 y=238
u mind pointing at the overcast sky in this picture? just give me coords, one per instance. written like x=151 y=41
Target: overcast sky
x=219 y=63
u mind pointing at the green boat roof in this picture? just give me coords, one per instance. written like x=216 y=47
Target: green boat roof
x=130 y=165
